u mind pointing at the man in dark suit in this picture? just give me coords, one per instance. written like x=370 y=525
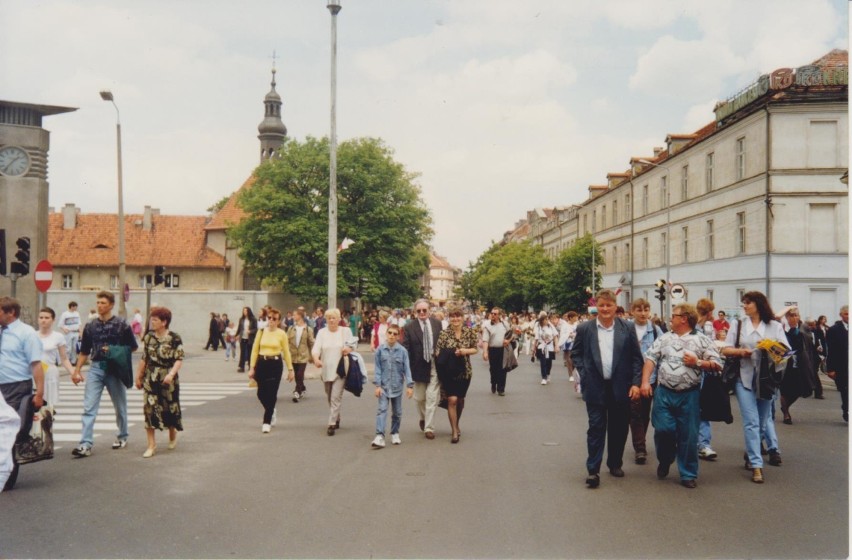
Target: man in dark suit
x=606 y=354
x=837 y=358
x=421 y=339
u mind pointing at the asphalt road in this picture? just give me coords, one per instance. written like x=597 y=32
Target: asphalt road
x=513 y=487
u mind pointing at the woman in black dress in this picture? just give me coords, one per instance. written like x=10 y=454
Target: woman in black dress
x=455 y=346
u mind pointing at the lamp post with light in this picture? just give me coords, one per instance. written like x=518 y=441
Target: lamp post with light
x=333 y=7
x=668 y=220
x=106 y=95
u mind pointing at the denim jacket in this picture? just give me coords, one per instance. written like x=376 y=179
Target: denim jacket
x=393 y=372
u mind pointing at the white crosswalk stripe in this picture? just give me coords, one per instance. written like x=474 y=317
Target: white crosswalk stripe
x=67 y=426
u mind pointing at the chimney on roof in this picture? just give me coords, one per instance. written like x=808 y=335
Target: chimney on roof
x=69 y=216
x=148 y=217
x=658 y=150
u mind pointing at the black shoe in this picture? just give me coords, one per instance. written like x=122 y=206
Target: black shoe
x=593 y=480
x=788 y=421
x=775 y=458
x=422 y=425
x=241 y=370
x=662 y=471
x=493 y=388
x=337 y=424
x=641 y=458
x=330 y=430
x=502 y=393
x=820 y=397
x=688 y=483
x=617 y=472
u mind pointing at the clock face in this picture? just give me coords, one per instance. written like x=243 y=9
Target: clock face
x=14 y=161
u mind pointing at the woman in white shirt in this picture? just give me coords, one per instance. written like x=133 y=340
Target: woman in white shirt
x=758 y=324
x=546 y=335
x=327 y=351
x=55 y=354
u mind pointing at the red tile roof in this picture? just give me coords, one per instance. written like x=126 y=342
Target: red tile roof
x=438 y=261
x=833 y=59
x=230 y=213
x=173 y=241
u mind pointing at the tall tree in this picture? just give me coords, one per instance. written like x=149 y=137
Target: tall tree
x=284 y=238
x=513 y=276
x=573 y=274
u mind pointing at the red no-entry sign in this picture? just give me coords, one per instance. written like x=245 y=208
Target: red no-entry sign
x=43 y=276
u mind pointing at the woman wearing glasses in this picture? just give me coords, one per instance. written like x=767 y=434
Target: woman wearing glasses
x=456 y=345
x=271 y=348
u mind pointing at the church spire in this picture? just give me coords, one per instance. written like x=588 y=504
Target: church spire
x=272 y=132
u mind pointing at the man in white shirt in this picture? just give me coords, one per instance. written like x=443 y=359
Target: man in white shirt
x=494 y=338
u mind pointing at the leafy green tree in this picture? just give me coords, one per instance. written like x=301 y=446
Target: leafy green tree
x=284 y=238
x=513 y=276
x=216 y=206
x=573 y=274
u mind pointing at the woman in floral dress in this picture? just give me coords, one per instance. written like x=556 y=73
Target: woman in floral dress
x=162 y=358
x=455 y=374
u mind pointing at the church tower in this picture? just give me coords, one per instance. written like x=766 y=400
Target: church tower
x=272 y=131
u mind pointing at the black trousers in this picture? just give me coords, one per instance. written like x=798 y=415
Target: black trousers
x=608 y=424
x=245 y=351
x=495 y=367
x=299 y=372
x=268 y=374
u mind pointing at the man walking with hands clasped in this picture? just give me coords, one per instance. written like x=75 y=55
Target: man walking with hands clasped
x=420 y=340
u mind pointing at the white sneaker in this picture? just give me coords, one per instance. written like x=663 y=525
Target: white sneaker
x=296 y=396
x=570 y=378
x=544 y=381
x=379 y=442
x=707 y=454
x=266 y=428
x=395 y=439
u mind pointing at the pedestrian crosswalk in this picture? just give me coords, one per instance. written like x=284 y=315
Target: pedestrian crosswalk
x=67 y=426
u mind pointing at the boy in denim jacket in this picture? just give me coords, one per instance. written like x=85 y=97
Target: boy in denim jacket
x=392 y=374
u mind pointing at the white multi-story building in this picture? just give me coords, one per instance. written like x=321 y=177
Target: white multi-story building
x=751 y=201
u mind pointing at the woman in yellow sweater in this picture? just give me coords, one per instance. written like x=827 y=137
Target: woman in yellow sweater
x=270 y=346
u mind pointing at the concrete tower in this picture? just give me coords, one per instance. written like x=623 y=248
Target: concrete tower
x=272 y=131
x=24 y=144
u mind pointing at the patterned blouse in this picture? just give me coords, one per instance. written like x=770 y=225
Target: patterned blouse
x=160 y=354
x=447 y=339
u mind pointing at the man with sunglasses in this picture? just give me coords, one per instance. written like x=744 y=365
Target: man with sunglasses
x=679 y=356
x=494 y=337
x=420 y=340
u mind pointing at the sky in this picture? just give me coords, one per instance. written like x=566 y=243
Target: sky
x=499 y=106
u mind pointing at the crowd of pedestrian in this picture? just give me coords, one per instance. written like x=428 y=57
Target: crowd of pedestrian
x=632 y=370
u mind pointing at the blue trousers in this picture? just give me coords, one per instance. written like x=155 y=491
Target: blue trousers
x=675 y=417
x=96 y=380
x=382 y=413
x=757 y=422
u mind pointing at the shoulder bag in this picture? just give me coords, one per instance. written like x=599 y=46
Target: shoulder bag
x=731 y=369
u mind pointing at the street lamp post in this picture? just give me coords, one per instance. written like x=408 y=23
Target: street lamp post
x=668 y=221
x=106 y=95
x=333 y=7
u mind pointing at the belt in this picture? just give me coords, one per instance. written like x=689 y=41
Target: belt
x=276 y=357
x=693 y=388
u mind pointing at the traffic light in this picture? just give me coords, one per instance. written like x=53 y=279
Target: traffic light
x=661 y=290
x=22 y=266
x=158 y=275
x=2 y=252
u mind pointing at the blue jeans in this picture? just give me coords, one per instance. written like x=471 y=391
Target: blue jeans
x=96 y=380
x=382 y=413
x=705 y=433
x=757 y=420
x=675 y=417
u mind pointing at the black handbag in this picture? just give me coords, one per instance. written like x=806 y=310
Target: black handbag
x=768 y=380
x=715 y=402
x=731 y=369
